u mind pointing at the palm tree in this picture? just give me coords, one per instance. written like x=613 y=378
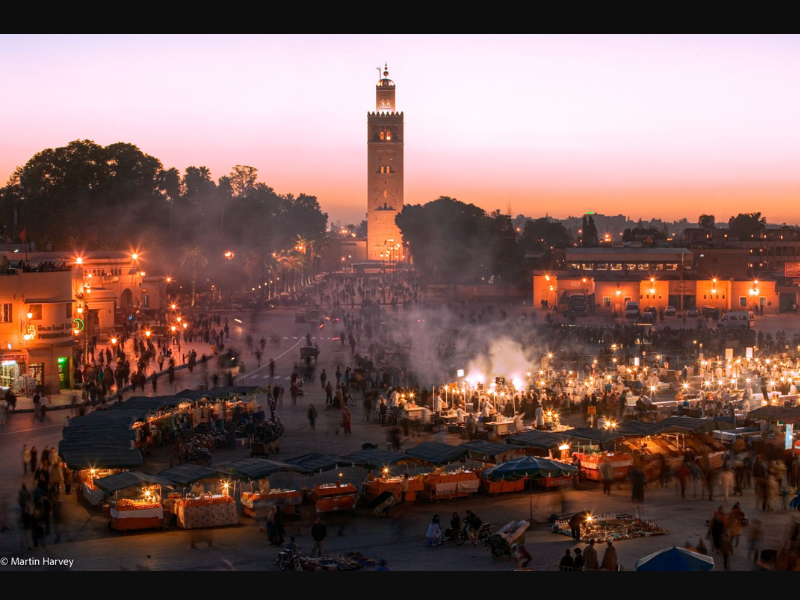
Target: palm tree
x=193 y=255
x=260 y=264
x=291 y=263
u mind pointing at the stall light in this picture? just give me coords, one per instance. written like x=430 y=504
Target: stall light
x=147 y=333
x=563 y=447
x=30 y=315
x=114 y=341
x=174 y=329
x=135 y=256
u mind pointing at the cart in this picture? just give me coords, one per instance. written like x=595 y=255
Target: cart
x=382 y=503
x=309 y=352
x=500 y=543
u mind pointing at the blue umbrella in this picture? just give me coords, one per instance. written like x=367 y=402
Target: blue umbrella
x=530 y=467
x=675 y=559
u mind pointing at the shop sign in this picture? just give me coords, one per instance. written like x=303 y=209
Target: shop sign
x=12 y=358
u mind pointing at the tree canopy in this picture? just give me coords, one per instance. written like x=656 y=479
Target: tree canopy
x=87 y=196
x=457 y=243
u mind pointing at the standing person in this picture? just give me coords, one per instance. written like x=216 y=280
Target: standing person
x=590 y=557
x=67 y=480
x=318 y=533
x=312 y=417
x=26 y=459
x=607 y=473
x=3 y=411
x=637 y=489
x=610 y=558
x=726 y=549
x=578 y=562
x=34 y=460
x=323 y=379
x=566 y=564
x=404 y=488
x=294 y=391
x=56 y=477
x=155 y=383
x=347 y=421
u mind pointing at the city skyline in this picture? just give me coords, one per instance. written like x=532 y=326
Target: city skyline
x=667 y=127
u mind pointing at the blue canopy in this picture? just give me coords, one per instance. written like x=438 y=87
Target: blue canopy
x=675 y=559
x=530 y=467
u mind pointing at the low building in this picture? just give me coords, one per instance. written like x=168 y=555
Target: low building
x=609 y=293
x=36 y=326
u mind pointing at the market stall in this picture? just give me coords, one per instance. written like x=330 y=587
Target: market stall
x=493 y=453
x=450 y=484
x=207 y=510
x=611 y=527
x=258 y=504
x=591 y=463
x=140 y=507
x=333 y=497
x=258 y=501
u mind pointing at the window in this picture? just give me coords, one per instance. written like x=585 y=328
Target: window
x=5 y=313
x=762 y=301
x=607 y=301
x=383 y=135
x=36 y=312
x=385 y=194
x=704 y=297
x=743 y=301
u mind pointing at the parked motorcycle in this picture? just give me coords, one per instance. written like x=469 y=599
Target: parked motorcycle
x=289 y=560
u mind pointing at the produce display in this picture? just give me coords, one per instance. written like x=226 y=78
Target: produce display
x=207 y=501
x=126 y=504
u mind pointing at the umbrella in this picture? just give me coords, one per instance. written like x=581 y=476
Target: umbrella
x=530 y=467
x=675 y=559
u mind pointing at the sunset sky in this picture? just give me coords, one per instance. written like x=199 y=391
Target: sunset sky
x=665 y=127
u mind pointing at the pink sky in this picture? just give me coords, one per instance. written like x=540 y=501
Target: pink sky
x=646 y=126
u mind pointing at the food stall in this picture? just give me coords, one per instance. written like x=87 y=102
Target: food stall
x=140 y=507
x=333 y=497
x=495 y=454
x=592 y=461
x=450 y=484
x=382 y=461
x=207 y=504
x=97 y=445
x=206 y=510
x=257 y=502
x=443 y=484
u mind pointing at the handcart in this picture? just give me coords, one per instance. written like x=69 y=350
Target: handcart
x=501 y=542
x=381 y=504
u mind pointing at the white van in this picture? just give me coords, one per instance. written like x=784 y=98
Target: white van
x=737 y=319
x=632 y=310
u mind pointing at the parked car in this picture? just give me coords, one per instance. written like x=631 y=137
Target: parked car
x=652 y=310
x=632 y=310
x=648 y=317
x=737 y=319
x=693 y=312
x=670 y=311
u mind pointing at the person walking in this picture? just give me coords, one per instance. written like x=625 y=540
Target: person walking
x=607 y=473
x=404 y=488
x=312 y=417
x=26 y=459
x=318 y=533
x=347 y=421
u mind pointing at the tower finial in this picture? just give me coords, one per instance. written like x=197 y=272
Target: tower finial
x=386 y=69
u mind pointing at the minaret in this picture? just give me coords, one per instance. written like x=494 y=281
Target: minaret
x=384 y=174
